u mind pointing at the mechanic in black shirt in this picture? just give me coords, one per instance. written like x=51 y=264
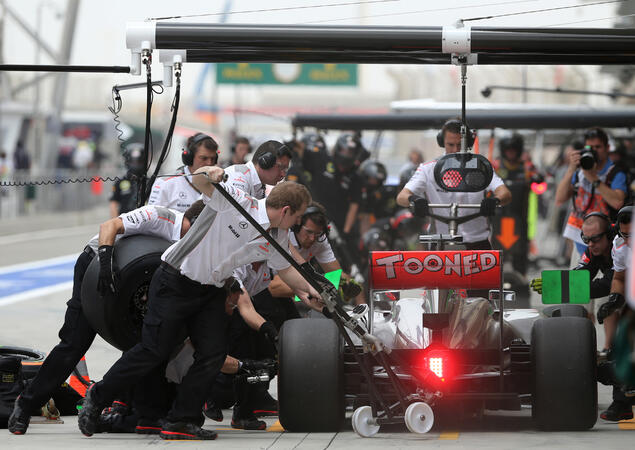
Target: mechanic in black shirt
x=310 y=151
x=124 y=191
x=337 y=185
x=378 y=199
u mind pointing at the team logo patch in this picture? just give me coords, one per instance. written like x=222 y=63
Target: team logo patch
x=243 y=225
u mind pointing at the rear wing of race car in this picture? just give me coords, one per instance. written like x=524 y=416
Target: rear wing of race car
x=468 y=269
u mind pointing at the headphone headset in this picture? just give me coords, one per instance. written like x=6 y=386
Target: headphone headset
x=187 y=156
x=471 y=134
x=268 y=160
x=610 y=231
x=311 y=210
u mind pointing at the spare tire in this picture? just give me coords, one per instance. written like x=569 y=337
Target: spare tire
x=311 y=376
x=118 y=319
x=31 y=359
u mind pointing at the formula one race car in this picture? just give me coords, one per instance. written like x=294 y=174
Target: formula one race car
x=438 y=345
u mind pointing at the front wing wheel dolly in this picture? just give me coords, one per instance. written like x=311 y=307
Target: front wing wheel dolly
x=363 y=422
x=419 y=417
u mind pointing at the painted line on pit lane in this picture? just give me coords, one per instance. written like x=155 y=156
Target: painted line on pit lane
x=626 y=424
x=39 y=263
x=449 y=436
x=33 y=293
x=48 y=234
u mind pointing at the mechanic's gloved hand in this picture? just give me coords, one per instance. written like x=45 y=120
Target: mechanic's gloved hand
x=536 y=285
x=349 y=289
x=268 y=330
x=614 y=302
x=488 y=206
x=419 y=206
x=107 y=282
x=255 y=365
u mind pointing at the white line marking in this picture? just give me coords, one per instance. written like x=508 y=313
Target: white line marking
x=33 y=293
x=38 y=264
x=47 y=234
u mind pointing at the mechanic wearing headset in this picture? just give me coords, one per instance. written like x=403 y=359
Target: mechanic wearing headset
x=422 y=184
x=187 y=292
x=268 y=166
x=621 y=408
x=239 y=152
x=76 y=335
x=178 y=192
x=597 y=233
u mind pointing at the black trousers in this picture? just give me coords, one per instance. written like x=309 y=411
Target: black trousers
x=76 y=337
x=177 y=307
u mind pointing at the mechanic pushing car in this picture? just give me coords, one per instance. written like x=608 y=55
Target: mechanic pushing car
x=76 y=335
x=422 y=190
x=187 y=292
x=178 y=192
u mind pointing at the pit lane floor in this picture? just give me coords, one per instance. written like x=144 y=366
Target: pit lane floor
x=34 y=320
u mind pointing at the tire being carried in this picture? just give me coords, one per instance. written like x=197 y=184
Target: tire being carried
x=563 y=355
x=311 y=376
x=118 y=319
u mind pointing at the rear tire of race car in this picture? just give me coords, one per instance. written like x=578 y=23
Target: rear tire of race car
x=118 y=319
x=563 y=355
x=311 y=376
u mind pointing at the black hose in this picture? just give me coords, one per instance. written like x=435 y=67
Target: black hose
x=63 y=68
x=143 y=188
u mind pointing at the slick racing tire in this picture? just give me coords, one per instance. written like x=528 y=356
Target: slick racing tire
x=311 y=376
x=565 y=311
x=563 y=356
x=31 y=359
x=118 y=319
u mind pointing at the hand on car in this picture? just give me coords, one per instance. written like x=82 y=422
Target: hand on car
x=614 y=302
x=419 y=206
x=488 y=206
x=536 y=285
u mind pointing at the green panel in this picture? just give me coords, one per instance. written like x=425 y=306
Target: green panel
x=578 y=289
x=333 y=277
x=289 y=74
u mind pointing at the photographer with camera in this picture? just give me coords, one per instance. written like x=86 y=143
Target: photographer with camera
x=593 y=183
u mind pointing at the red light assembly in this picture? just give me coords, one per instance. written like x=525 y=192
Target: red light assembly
x=440 y=364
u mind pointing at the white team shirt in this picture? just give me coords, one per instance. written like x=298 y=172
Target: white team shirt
x=621 y=254
x=423 y=183
x=245 y=178
x=174 y=192
x=221 y=240
x=253 y=280
x=322 y=251
x=148 y=220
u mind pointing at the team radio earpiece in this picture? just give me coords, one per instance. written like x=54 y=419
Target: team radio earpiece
x=187 y=156
x=471 y=134
x=268 y=160
x=610 y=231
x=310 y=210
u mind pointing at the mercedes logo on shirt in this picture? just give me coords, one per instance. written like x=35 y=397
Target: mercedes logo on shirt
x=182 y=195
x=243 y=225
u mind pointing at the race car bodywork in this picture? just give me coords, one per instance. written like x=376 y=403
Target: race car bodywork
x=442 y=347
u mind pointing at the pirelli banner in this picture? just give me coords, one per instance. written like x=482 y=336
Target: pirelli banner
x=469 y=269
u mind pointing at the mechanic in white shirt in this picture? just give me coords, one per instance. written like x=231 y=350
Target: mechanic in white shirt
x=422 y=184
x=77 y=335
x=268 y=166
x=187 y=294
x=177 y=192
x=621 y=407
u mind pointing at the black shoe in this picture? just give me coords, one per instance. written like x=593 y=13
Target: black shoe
x=19 y=418
x=265 y=405
x=213 y=412
x=249 y=423
x=617 y=411
x=88 y=417
x=186 y=431
x=149 y=426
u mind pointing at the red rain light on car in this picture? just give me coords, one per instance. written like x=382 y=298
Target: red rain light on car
x=436 y=366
